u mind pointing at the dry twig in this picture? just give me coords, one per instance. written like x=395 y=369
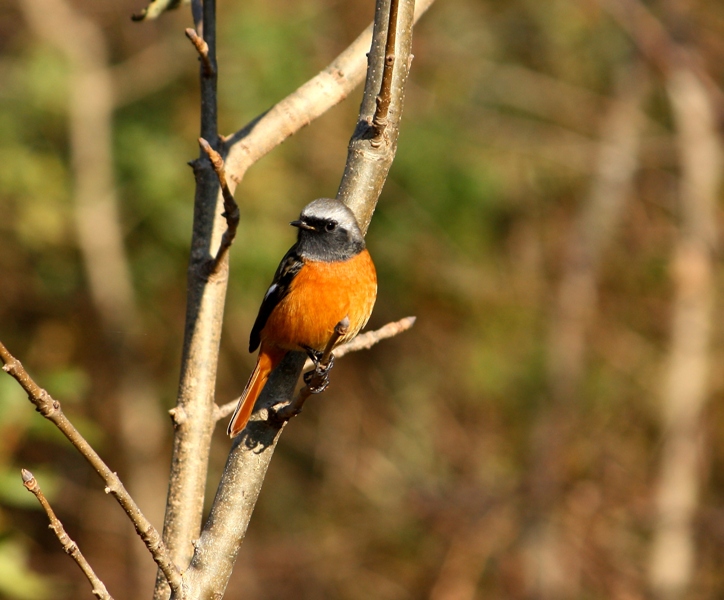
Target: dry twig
x=50 y=408
x=364 y=341
x=379 y=121
x=203 y=49
x=231 y=208
x=69 y=546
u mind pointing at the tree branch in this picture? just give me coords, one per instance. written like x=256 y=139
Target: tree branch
x=50 y=408
x=686 y=385
x=369 y=157
x=216 y=550
x=317 y=382
x=301 y=107
x=206 y=294
x=379 y=121
x=231 y=208
x=364 y=341
x=69 y=546
x=658 y=47
x=203 y=49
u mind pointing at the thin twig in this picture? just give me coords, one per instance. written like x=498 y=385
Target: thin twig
x=70 y=547
x=379 y=121
x=317 y=380
x=231 y=208
x=203 y=49
x=50 y=408
x=363 y=341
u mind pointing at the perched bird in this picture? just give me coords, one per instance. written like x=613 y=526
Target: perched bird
x=326 y=276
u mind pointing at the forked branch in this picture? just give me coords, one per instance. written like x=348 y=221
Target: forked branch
x=364 y=341
x=50 y=408
x=365 y=172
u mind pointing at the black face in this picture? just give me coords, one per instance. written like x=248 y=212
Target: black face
x=327 y=239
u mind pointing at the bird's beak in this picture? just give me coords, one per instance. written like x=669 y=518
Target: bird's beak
x=301 y=225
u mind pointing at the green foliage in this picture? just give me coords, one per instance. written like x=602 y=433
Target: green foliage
x=17 y=582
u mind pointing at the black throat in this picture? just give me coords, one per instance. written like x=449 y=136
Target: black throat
x=328 y=246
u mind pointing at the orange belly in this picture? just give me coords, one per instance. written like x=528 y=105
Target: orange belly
x=320 y=296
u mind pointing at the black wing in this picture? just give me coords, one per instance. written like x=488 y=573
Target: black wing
x=287 y=270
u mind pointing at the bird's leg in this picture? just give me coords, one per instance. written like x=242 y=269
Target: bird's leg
x=314 y=355
x=318 y=379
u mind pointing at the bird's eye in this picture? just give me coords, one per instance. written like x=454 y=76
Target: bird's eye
x=330 y=225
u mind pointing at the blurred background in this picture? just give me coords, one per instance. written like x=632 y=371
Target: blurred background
x=553 y=425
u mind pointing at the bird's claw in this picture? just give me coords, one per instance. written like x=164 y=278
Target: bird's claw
x=318 y=380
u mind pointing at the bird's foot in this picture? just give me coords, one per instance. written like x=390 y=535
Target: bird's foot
x=318 y=380
x=315 y=383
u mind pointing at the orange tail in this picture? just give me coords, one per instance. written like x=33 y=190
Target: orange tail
x=265 y=364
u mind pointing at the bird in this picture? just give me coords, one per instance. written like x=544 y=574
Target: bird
x=327 y=275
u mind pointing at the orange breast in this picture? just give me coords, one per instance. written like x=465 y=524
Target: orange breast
x=320 y=296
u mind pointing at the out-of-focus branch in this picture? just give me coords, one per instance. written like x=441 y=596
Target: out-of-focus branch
x=50 y=408
x=69 y=546
x=90 y=111
x=686 y=382
x=95 y=90
x=146 y=71
x=363 y=341
x=216 y=550
x=156 y=8
x=616 y=166
x=660 y=49
x=576 y=299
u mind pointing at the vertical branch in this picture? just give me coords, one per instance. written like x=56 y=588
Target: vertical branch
x=379 y=121
x=616 y=165
x=90 y=109
x=223 y=533
x=671 y=561
x=194 y=415
x=209 y=105
x=371 y=151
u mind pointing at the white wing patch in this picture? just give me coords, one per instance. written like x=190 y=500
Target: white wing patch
x=272 y=288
